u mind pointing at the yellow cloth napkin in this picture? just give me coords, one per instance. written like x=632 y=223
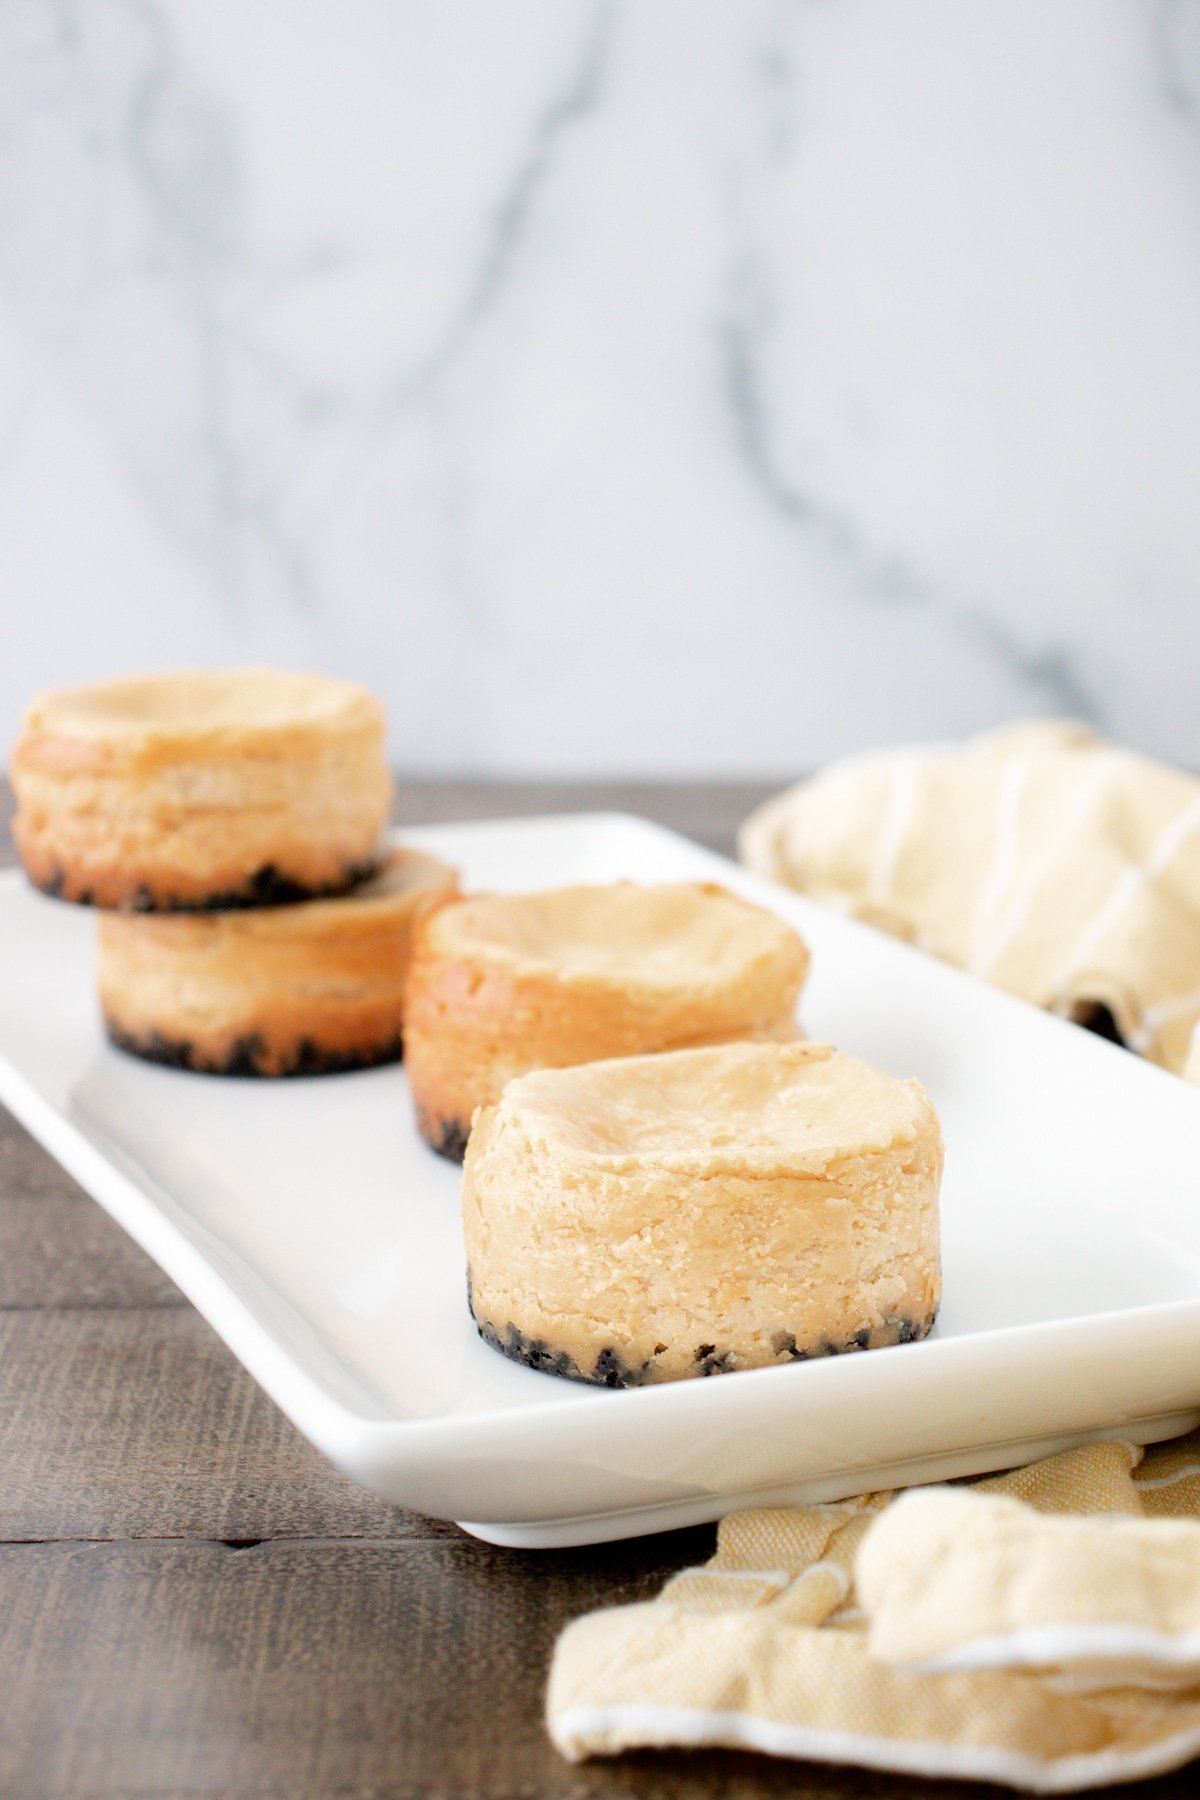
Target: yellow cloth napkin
x=1039 y=857
x=1039 y=1628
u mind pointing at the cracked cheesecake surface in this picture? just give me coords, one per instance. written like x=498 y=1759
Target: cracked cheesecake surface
x=703 y=1211
x=502 y=984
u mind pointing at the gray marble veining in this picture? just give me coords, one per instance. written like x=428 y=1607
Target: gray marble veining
x=668 y=386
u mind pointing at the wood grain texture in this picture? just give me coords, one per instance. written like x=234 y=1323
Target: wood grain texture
x=139 y=1423
x=320 y=1669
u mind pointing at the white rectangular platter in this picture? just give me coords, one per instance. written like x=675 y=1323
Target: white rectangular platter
x=317 y=1234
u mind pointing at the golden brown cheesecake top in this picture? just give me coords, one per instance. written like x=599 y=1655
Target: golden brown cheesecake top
x=759 y=1110
x=194 y=710
x=678 y=934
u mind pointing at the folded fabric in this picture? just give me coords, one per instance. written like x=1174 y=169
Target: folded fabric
x=957 y=1580
x=1039 y=1628
x=1041 y=858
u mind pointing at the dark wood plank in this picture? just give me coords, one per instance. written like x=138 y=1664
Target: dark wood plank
x=406 y=1670
x=709 y=811
x=412 y=1669
x=309 y=1670
x=140 y=1423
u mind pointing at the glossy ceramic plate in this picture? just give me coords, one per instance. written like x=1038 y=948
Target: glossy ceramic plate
x=317 y=1234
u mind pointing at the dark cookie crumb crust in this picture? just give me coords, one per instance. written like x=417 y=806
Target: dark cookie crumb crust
x=248 y=1055
x=611 y=1370
x=266 y=887
x=447 y=1136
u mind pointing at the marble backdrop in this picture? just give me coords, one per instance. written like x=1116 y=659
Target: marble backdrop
x=618 y=385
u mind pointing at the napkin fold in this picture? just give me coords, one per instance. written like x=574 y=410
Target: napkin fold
x=1039 y=857
x=1039 y=1628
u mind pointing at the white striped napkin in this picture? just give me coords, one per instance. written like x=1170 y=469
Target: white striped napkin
x=1040 y=857
x=1040 y=1628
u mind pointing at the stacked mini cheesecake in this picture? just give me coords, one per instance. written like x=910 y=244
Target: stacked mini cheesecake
x=229 y=825
x=661 y=1178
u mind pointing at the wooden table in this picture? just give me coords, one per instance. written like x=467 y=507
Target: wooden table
x=193 y=1603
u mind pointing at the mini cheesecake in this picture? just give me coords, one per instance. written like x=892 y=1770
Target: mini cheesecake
x=661 y=1217
x=502 y=984
x=305 y=989
x=201 y=790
